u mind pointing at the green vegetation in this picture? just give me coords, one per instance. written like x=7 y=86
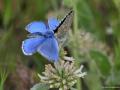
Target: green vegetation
x=94 y=41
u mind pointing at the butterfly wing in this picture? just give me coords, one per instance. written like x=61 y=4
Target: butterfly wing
x=53 y=23
x=63 y=28
x=49 y=49
x=36 y=27
x=29 y=46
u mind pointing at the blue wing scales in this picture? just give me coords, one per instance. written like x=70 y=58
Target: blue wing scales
x=36 y=27
x=29 y=46
x=49 y=49
x=53 y=23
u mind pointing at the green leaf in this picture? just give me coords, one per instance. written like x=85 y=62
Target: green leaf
x=117 y=57
x=68 y=3
x=102 y=62
x=73 y=88
x=85 y=15
x=7 y=12
x=40 y=86
x=3 y=77
x=92 y=80
x=117 y=3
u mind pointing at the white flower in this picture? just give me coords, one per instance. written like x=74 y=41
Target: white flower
x=62 y=75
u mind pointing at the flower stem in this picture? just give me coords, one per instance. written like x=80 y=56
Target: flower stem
x=75 y=25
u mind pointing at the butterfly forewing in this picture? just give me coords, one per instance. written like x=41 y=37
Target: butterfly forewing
x=64 y=27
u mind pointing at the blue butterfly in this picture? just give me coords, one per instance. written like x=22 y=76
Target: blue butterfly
x=42 y=38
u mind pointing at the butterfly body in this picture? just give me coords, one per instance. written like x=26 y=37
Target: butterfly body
x=48 y=34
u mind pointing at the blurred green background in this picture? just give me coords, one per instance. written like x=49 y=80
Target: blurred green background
x=98 y=48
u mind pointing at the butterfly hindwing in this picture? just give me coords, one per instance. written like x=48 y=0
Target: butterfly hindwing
x=29 y=46
x=49 y=49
